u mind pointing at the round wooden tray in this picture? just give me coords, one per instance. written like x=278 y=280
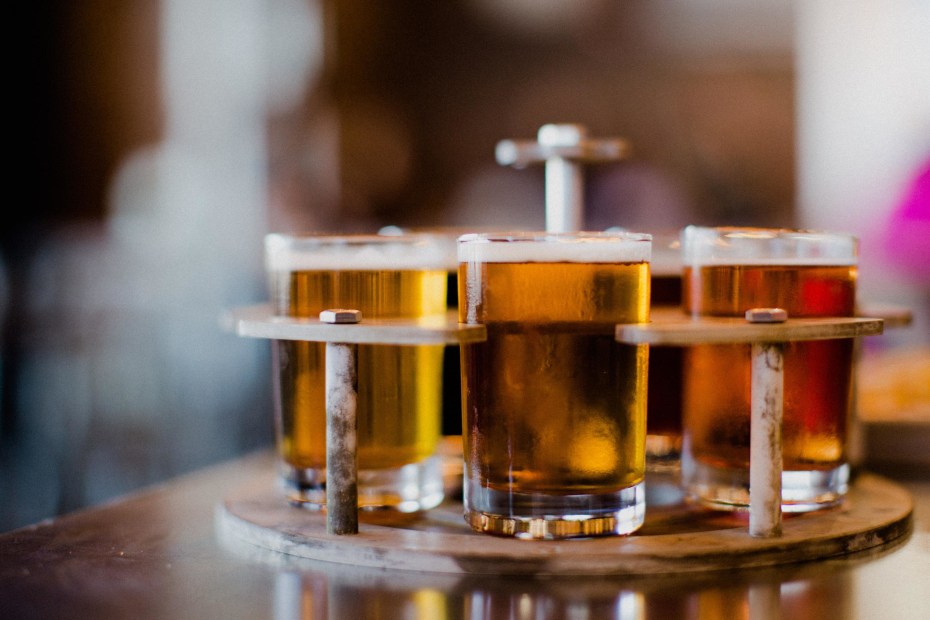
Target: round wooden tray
x=676 y=537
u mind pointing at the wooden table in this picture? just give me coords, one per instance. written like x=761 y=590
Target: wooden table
x=157 y=554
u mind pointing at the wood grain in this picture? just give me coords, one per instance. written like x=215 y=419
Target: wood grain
x=676 y=538
x=673 y=329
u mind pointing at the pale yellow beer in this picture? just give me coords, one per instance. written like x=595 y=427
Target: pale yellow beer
x=554 y=409
x=809 y=275
x=399 y=387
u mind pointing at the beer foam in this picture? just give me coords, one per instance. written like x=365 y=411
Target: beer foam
x=355 y=252
x=766 y=246
x=555 y=248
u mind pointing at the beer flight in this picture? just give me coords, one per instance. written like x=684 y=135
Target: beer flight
x=554 y=409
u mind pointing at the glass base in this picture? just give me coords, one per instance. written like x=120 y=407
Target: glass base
x=410 y=488
x=801 y=491
x=549 y=516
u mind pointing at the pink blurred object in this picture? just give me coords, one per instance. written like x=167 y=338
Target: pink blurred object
x=907 y=238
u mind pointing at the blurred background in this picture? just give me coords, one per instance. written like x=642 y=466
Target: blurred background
x=163 y=138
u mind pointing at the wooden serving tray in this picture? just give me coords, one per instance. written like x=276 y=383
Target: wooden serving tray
x=676 y=537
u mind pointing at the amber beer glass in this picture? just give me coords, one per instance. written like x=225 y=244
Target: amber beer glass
x=399 y=387
x=809 y=274
x=554 y=409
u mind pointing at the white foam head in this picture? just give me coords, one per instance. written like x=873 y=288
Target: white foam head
x=542 y=247
x=354 y=252
x=766 y=246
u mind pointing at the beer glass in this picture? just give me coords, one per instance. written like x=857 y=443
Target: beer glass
x=810 y=274
x=399 y=387
x=554 y=409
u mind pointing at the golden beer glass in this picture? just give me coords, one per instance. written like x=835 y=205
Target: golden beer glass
x=399 y=387
x=809 y=274
x=554 y=409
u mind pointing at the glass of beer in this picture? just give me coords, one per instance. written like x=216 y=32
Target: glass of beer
x=399 y=387
x=809 y=274
x=554 y=408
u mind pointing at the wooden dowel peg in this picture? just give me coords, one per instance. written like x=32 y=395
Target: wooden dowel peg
x=766 y=315
x=341 y=316
x=341 y=439
x=765 y=442
x=341 y=429
x=765 y=449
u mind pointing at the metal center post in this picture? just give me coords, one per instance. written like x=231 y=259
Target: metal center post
x=563 y=148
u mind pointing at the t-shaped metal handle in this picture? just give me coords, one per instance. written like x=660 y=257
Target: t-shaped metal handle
x=563 y=148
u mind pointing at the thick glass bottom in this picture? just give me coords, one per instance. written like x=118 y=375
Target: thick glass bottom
x=550 y=516
x=728 y=489
x=410 y=488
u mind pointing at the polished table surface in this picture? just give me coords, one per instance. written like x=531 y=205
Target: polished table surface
x=157 y=554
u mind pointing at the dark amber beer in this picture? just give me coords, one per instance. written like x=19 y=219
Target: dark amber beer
x=727 y=272
x=663 y=418
x=399 y=387
x=554 y=409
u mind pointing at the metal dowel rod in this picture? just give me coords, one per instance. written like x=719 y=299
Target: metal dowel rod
x=341 y=438
x=765 y=449
x=564 y=196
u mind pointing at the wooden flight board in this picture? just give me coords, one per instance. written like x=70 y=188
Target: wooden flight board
x=676 y=538
x=259 y=322
x=673 y=328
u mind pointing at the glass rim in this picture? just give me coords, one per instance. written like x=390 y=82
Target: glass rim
x=555 y=247
x=355 y=251
x=346 y=238
x=734 y=245
x=542 y=236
